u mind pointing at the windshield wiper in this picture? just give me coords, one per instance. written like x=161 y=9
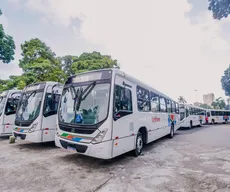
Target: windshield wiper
x=25 y=101
x=84 y=94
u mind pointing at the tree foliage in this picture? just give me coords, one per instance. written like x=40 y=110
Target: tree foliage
x=205 y=106
x=219 y=8
x=39 y=63
x=181 y=99
x=92 y=61
x=7 y=45
x=219 y=103
x=225 y=81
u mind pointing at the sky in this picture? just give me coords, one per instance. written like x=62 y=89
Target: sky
x=174 y=46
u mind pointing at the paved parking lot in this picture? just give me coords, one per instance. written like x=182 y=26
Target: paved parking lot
x=194 y=160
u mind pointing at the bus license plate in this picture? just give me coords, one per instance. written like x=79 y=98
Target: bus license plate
x=71 y=149
x=19 y=138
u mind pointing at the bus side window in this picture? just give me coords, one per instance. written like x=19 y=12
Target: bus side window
x=11 y=106
x=177 y=108
x=173 y=107
x=208 y=114
x=122 y=102
x=50 y=105
x=169 y=106
x=143 y=100
x=155 y=105
x=187 y=111
x=162 y=104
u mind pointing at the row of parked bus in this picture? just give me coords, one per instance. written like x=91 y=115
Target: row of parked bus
x=102 y=114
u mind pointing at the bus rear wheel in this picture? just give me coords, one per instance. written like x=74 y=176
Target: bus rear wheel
x=171 y=135
x=190 y=126
x=139 y=144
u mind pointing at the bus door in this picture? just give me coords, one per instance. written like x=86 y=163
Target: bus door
x=49 y=112
x=10 y=111
x=123 y=116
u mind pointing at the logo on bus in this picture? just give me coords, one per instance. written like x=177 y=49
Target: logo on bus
x=171 y=119
x=156 y=119
x=225 y=117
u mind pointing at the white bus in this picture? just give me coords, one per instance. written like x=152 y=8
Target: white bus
x=106 y=113
x=37 y=111
x=8 y=105
x=191 y=116
x=217 y=116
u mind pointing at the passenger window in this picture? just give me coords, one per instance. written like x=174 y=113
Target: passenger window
x=187 y=112
x=122 y=102
x=177 y=108
x=51 y=104
x=173 y=107
x=169 y=106
x=162 y=104
x=143 y=101
x=11 y=106
x=154 y=98
x=213 y=113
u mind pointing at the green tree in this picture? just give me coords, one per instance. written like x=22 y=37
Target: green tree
x=66 y=63
x=205 y=106
x=181 y=99
x=7 y=45
x=39 y=63
x=219 y=103
x=219 y=8
x=93 y=61
x=225 y=81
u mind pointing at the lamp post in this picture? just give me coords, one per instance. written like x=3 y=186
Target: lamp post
x=196 y=95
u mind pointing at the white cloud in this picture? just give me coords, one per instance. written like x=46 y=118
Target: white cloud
x=9 y=69
x=153 y=40
x=4 y=22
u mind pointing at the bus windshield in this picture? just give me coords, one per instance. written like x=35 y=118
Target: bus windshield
x=29 y=106
x=2 y=104
x=86 y=104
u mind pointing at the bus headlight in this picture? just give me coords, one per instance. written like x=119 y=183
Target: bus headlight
x=33 y=127
x=100 y=136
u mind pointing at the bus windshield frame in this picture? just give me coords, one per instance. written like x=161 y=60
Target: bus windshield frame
x=30 y=104
x=82 y=101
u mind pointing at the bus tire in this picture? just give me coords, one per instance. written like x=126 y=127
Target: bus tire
x=190 y=125
x=226 y=121
x=139 y=144
x=171 y=134
x=213 y=121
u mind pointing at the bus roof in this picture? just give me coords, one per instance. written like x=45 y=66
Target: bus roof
x=192 y=106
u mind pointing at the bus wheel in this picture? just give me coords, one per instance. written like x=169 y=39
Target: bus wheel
x=213 y=121
x=226 y=121
x=171 y=135
x=139 y=144
x=190 y=126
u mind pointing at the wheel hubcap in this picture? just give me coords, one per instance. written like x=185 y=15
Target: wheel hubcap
x=139 y=144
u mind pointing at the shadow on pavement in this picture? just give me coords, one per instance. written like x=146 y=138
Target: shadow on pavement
x=2 y=138
x=35 y=146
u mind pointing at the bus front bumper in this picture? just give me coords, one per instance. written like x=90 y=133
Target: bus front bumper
x=34 y=137
x=101 y=150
